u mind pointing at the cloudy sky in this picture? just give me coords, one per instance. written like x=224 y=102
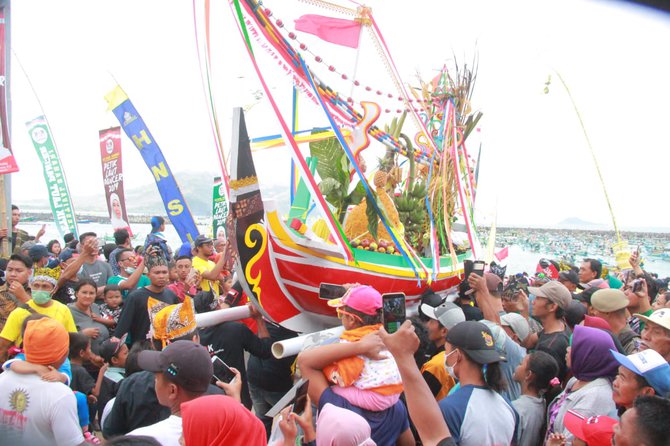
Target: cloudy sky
x=536 y=167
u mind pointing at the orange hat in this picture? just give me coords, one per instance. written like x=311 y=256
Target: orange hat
x=45 y=341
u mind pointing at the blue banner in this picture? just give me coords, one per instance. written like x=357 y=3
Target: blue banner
x=132 y=123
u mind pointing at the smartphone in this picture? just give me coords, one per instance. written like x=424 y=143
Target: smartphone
x=291 y=397
x=393 y=315
x=467 y=268
x=478 y=267
x=221 y=371
x=301 y=398
x=637 y=285
x=331 y=291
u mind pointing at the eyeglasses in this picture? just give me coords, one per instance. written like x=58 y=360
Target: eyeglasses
x=126 y=259
x=341 y=313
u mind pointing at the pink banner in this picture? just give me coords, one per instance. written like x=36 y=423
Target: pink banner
x=7 y=161
x=112 y=177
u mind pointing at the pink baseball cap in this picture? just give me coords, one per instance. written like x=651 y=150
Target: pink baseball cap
x=362 y=298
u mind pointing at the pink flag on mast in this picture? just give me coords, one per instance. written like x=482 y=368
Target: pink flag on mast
x=338 y=31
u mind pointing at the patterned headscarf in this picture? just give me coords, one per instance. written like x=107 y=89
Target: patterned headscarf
x=169 y=322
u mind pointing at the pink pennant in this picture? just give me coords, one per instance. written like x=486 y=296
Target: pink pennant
x=338 y=31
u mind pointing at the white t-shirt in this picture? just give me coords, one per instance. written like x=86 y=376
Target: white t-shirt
x=166 y=432
x=37 y=412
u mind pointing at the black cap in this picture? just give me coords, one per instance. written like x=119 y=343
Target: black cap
x=38 y=252
x=111 y=347
x=201 y=240
x=475 y=339
x=204 y=302
x=185 y=363
x=569 y=276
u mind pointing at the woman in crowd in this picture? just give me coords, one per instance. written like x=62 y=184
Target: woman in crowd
x=86 y=314
x=589 y=391
x=219 y=420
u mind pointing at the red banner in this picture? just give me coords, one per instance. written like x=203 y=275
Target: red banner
x=7 y=161
x=112 y=177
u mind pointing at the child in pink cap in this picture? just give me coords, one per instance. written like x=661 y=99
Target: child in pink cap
x=364 y=382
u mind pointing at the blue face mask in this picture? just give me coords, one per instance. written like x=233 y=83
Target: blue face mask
x=130 y=270
x=41 y=297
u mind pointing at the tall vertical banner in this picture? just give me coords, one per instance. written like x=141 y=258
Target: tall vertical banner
x=7 y=161
x=219 y=209
x=59 y=195
x=137 y=131
x=112 y=177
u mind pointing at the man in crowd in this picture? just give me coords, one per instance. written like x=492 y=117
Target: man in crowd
x=36 y=411
x=210 y=272
x=39 y=255
x=569 y=279
x=130 y=275
x=656 y=333
x=15 y=291
x=186 y=283
x=229 y=341
x=134 y=318
x=639 y=303
x=41 y=301
x=94 y=268
x=441 y=319
x=122 y=240
x=551 y=301
x=610 y=304
x=182 y=372
x=646 y=424
x=19 y=236
x=590 y=270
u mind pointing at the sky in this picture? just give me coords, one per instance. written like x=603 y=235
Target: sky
x=536 y=168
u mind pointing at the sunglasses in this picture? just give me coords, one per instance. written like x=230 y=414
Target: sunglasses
x=341 y=313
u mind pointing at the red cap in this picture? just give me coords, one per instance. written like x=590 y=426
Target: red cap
x=595 y=431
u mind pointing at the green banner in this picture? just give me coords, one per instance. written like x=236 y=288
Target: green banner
x=219 y=209
x=59 y=195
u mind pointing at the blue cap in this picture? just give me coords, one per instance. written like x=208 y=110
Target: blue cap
x=651 y=366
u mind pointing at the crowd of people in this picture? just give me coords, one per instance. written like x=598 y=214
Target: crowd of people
x=99 y=344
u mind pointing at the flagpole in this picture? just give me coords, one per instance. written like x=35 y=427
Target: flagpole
x=6 y=179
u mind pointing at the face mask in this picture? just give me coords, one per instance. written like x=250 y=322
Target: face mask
x=41 y=297
x=450 y=368
x=129 y=270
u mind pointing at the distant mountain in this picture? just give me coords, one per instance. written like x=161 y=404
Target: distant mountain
x=577 y=223
x=145 y=200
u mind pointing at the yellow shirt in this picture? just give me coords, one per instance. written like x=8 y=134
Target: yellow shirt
x=57 y=311
x=203 y=265
x=435 y=366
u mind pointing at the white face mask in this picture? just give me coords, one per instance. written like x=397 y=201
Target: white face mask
x=450 y=368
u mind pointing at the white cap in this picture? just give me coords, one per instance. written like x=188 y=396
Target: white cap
x=517 y=323
x=447 y=313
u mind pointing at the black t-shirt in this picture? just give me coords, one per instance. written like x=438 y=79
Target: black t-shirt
x=228 y=341
x=272 y=374
x=134 y=318
x=82 y=381
x=556 y=344
x=65 y=293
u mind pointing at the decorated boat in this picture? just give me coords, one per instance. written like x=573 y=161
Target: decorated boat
x=409 y=231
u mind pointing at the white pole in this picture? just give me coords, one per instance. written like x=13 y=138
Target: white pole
x=210 y=318
x=293 y=346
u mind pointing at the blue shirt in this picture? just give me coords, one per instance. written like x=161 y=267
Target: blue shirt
x=385 y=425
x=478 y=416
x=66 y=368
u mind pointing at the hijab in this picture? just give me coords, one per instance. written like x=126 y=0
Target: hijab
x=219 y=420
x=588 y=354
x=341 y=427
